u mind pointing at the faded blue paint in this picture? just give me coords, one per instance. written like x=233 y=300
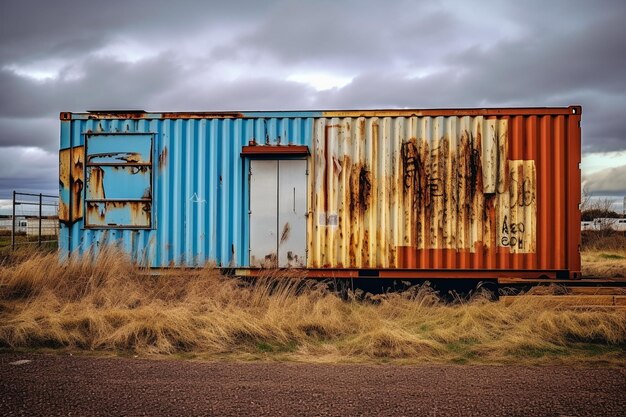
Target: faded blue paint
x=64 y=192
x=213 y=115
x=119 y=148
x=120 y=183
x=111 y=214
x=199 y=184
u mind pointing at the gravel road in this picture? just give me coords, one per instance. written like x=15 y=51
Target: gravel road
x=69 y=385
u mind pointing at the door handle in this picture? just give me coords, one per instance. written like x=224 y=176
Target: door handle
x=294 y=199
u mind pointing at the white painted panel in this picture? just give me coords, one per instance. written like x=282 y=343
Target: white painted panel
x=292 y=208
x=263 y=212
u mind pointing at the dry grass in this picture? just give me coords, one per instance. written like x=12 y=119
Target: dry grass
x=110 y=305
x=603 y=254
x=606 y=264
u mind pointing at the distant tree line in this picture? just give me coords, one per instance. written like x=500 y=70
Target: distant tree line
x=591 y=214
x=600 y=208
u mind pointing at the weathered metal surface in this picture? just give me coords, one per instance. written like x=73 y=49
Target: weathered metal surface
x=292 y=213
x=456 y=192
x=200 y=186
x=118 y=214
x=137 y=114
x=263 y=213
x=278 y=211
x=269 y=150
x=118 y=180
x=451 y=191
x=118 y=183
x=119 y=149
x=77 y=167
x=64 y=185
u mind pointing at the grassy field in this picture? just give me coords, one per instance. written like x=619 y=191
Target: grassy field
x=604 y=254
x=112 y=306
x=608 y=264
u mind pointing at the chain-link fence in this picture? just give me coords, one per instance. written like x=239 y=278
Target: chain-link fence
x=34 y=220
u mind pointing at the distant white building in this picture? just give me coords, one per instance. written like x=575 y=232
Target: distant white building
x=604 y=224
x=586 y=225
x=620 y=225
x=29 y=226
x=21 y=224
x=49 y=227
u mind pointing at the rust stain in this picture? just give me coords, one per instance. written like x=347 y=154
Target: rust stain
x=64 y=183
x=475 y=171
x=140 y=213
x=411 y=189
x=270 y=261
x=202 y=115
x=96 y=213
x=293 y=260
x=327 y=165
x=360 y=189
x=163 y=158
x=76 y=180
x=64 y=212
x=135 y=169
x=116 y=115
x=284 y=235
x=131 y=157
x=128 y=157
x=275 y=150
x=415 y=176
x=95 y=183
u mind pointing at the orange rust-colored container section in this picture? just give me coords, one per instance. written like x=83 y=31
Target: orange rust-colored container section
x=451 y=193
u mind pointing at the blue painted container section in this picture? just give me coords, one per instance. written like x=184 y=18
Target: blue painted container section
x=127 y=149
x=119 y=182
x=181 y=182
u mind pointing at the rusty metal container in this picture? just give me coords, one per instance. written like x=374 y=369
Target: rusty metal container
x=453 y=193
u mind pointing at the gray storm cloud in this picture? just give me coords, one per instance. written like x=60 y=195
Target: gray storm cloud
x=195 y=55
x=609 y=181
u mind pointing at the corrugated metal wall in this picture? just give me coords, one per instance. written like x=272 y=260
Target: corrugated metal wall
x=450 y=189
x=444 y=193
x=199 y=194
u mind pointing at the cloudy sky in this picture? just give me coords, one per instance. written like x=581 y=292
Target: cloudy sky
x=325 y=54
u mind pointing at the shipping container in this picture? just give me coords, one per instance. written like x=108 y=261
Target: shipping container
x=449 y=193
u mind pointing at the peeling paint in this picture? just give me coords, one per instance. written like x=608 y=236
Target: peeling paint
x=430 y=189
x=118 y=181
x=129 y=157
x=77 y=166
x=411 y=185
x=163 y=158
x=112 y=214
x=64 y=185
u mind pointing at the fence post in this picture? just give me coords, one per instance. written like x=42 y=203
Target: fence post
x=13 y=226
x=40 y=219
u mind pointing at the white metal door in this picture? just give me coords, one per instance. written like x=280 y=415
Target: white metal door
x=292 y=213
x=278 y=213
x=263 y=207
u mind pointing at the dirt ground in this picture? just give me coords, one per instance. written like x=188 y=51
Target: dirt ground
x=71 y=385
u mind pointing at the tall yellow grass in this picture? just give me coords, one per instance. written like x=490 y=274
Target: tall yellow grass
x=604 y=253
x=111 y=305
x=604 y=264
